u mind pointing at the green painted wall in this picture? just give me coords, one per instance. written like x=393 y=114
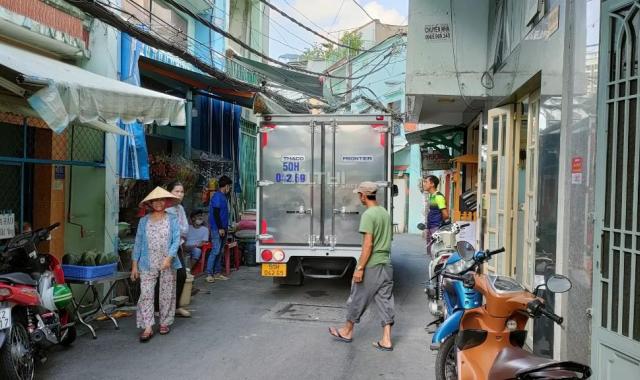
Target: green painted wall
x=85 y=189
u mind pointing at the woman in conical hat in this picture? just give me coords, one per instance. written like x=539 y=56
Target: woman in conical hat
x=177 y=188
x=154 y=259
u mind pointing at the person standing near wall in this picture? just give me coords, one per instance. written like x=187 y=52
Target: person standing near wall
x=437 y=212
x=154 y=260
x=177 y=189
x=219 y=224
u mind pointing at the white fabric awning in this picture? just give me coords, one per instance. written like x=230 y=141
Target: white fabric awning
x=71 y=93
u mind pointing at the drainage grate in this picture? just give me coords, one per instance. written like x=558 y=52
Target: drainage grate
x=310 y=313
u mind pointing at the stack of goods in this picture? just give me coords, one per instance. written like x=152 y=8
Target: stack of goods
x=245 y=232
x=90 y=264
x=164 y=169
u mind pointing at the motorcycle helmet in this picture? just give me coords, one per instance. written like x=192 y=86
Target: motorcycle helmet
x=56 y=297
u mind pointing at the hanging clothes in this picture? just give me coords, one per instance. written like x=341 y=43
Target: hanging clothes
x=216 y=130
x=133 y=159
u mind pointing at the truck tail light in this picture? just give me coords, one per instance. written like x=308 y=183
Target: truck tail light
x=380 y=128
x=266 y=255
x=264 y=230
x=379 y=117
x=264 y=136
x=278 y=255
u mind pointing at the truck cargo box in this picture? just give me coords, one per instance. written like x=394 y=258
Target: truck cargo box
x=308 y=167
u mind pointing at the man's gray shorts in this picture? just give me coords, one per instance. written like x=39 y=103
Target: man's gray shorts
x=376 y=286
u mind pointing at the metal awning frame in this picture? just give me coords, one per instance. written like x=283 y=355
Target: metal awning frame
x=446 y=139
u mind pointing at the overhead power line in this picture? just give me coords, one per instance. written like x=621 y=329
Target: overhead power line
x=364 y=10
x=99 y=11
x=305 y=16
x=303 y=26
x=217 y=29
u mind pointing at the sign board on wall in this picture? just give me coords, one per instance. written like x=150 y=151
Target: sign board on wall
x=437 y=32
x=7 y=225
x=436 y=161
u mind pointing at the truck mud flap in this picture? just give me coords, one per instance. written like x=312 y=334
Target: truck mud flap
x=295 y=276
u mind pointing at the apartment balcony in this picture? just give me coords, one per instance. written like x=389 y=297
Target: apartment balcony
x=54 y=26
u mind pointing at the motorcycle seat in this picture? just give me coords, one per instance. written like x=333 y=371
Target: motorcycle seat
x=18 y=278
x=517 y=363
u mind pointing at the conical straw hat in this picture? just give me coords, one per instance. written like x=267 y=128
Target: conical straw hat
x=158 y=193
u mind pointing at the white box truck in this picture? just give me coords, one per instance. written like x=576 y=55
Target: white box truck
x=307 y=214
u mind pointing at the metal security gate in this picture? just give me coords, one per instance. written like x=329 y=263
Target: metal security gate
x=616 y=300
x=27 y=145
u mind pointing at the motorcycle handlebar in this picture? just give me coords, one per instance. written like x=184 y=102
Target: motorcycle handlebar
x=554 y=317
x=494 y=252
x=53 y=226
x=452 y=276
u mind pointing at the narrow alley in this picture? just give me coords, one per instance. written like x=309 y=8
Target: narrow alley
x=249 y=328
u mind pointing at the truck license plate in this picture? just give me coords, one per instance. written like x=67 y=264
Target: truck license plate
x=5 y=318
x=274 y=270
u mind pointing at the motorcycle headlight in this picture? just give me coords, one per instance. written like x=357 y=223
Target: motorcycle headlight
x=459 y=266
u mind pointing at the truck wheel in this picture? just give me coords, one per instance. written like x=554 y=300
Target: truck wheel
x=348 y=277
x=294 y=275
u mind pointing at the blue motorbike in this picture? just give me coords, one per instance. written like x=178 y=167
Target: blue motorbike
x=457 y=298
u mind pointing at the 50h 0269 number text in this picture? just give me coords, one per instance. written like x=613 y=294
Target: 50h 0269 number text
x=290 y=174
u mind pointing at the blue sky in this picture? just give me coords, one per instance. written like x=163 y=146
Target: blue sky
x=330 y=17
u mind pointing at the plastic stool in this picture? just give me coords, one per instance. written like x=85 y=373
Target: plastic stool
x=228 y=247
x=198 y=267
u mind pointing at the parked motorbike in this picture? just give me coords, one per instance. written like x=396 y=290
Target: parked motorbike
x=444 y=246
x=457 y=298
x=33 y=297
x=490 y=340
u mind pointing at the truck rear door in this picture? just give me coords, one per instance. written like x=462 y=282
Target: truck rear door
x=286 y=166
x=356 y=151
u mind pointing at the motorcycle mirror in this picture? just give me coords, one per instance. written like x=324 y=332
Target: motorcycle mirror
x=422 y=227
x=465 y=250
x=558 y=284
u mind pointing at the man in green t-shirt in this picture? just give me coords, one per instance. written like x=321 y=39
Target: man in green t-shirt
x=373 y=276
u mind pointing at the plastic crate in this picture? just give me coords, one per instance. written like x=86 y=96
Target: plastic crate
x=86 y=273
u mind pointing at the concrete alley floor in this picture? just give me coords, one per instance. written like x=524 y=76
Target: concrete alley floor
x=249 y=328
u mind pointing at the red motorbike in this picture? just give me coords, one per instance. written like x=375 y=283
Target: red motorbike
x=33 y=297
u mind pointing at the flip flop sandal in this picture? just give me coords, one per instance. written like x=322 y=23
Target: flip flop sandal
x=164 y=330
x=381 y=347
x=145 y=337
x=338 y=336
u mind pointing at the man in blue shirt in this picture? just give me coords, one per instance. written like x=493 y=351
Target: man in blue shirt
x=437 y=213
x=219 y=223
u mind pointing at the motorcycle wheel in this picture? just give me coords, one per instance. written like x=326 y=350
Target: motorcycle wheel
x=16 y=355
x=69 y=336
x=446 y=361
